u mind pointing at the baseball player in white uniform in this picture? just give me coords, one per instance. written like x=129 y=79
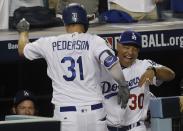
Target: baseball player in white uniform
x=74 y=64
x=139 y=74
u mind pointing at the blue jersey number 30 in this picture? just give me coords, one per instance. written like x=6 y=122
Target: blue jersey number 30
x=71 y=68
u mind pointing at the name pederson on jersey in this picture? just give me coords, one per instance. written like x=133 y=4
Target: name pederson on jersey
x=73 y=65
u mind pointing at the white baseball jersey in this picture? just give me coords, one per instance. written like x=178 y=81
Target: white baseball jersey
x=139 y=96
x=72 y=64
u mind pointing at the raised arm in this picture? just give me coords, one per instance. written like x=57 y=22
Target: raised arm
x=22 y=28
x=123 y=92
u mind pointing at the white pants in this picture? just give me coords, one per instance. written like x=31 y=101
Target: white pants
x=82 y=119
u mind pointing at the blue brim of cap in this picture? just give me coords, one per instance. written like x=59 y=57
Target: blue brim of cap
x=26 y=98
x=130 y=43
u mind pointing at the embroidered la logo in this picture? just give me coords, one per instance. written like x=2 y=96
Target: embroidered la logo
x=74 y=17
x=134 y=36
x=26 y=93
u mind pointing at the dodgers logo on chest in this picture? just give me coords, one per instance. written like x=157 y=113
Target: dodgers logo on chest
x=133 y=83
x=109 y=89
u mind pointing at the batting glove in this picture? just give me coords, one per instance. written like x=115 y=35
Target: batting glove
x=23 y=25
x=123 y=95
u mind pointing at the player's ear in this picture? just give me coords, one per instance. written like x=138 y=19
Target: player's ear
x=36 y=113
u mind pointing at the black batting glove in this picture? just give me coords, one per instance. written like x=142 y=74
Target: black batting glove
x=23 y=25
x=123 y=95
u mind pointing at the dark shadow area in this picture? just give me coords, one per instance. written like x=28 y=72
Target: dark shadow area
x=30 y=75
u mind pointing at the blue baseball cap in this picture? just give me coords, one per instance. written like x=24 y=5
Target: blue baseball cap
x=130 y=38
x=23 y=95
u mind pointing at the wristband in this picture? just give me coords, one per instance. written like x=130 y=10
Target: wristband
x=153 y=69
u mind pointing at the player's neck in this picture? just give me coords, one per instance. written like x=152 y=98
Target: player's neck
x=123 y=67
x=75 y=28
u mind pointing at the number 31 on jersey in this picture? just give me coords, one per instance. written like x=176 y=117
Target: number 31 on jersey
x=72 y=68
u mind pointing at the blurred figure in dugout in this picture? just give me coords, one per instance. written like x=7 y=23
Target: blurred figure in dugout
x=138 y=9
x=90 y=5
x=24 y=103
x=4 y=9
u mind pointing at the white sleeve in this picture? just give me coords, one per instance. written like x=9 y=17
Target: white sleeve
x=107 y=57
x=99 y=45
x=152 y=63
x=35 y=50
x=101 y=50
